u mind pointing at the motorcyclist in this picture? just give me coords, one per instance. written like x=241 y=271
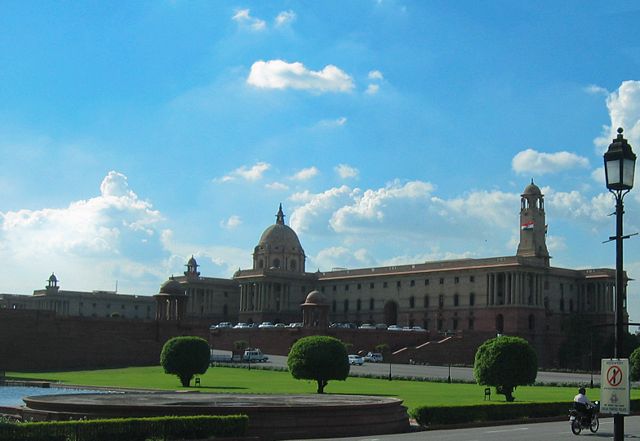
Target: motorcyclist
x=583 y=404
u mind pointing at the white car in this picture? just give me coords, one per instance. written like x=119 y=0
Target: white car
x=356 y=360
x=418 y=329
x=394 y=328
x=373 y=357
x=266 y=325
x=241 y=326
x=367 y=326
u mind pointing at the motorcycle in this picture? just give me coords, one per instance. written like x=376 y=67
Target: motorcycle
x=580 y=420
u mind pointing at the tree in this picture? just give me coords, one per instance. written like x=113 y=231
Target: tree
x=634 y=362
x=318 y=358
x=185 y=357
x=505 y=362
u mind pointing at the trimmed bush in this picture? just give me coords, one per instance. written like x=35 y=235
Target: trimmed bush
x=185 y=357
x=318 y=358
x=127 y=429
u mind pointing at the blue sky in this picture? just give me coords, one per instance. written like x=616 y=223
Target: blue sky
x=135 y=134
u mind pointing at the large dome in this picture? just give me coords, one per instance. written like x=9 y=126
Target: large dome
x=280 y=237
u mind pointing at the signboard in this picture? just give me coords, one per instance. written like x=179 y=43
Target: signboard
x=614 y=386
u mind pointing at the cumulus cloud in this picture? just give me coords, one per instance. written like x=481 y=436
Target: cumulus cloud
x=372 y=89
x=243 y=17
x=90 y=243
x=277 y=186
x=375 y=75
x=253 y=173
x=346 y=171
x=305 y=174
x=341 y=257
x=574 y=205
x=284 y=18
x=278 y=74
x=532 y=162
x=231 y=223
x=338 y=122
x=624 y=111
x=317 y=207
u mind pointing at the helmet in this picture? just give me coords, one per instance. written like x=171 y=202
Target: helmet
x=582 y=391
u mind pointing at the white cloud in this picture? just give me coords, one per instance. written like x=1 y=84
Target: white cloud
x=305 y=174
x=278 y=74
x=375 y=75
x=90 y=243
x=341 y=257
x=624 y=111
x=316 y=208
x=369 y=207
x=346 y=171
x=284 y=18
x=244 y=18
x=339 y=122
x=372 y=89
x=253 y=173
x=231 y=223
x=574 y=205
x=594 y=89
x=556 y=244
x=478 y=208
x=532 y=162
x=277 y=186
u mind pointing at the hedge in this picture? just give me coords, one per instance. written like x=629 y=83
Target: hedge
x=127 y=429
x=443 y=415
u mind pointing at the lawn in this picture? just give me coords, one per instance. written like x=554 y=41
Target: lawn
x=234 y=380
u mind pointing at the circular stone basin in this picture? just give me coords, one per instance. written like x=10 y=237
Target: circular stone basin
x=271 y=417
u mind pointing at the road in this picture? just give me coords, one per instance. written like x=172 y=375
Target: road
x=442 y=372
x=554 y=431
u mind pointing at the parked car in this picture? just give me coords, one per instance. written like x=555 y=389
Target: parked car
x=394 y=328
x=356 y=360
x=366 y=326
x=254 y=355
x=381 y=326
x=266 y=325
x=373 y=357
x=279 y=325
x=418 y=329
x=224 y=325
x=295 y=325
x=241 y=326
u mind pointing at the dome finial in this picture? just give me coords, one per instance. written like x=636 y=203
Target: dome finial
x=280 y=216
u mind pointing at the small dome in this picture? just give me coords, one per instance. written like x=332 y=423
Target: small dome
x=532 y=189
x=172 y=287
x=53 y=278
x=315 y=298
x=192 y=262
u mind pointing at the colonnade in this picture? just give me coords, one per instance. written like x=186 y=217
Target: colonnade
x=596 y=297
x=170 y=307
x=265 y=296
x=514 y=288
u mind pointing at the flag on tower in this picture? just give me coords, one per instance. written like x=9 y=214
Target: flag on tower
x=527 y=226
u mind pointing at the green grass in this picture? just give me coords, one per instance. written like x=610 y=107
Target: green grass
x=234 y=380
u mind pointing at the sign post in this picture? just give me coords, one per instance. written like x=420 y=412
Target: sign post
x=614 y=386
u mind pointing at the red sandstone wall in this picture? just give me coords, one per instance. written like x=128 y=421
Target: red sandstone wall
x=38 y=341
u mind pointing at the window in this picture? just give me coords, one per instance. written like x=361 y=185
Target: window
x=561 y=303
x=426 y=282
x=371 y=285
x=121 y=306
x=546 y=284
x=426 y=301
x=454 y=324
x=472 y=279
x=384 y=284
x=293 y=265
x=441 y=280
x=334 y=306
x=276 y=263
x=439 y=324
x=471 y=323
x=412 y=283
x=359 y=286
x=359 y=304
x=472 y=299
x=371 y=303
x=335 y=288
x=440 y=301
x=412 y=302
x=398 y=284
x=346 y=305
x=346 y=287
x=456 y=300
x=322 y=289
x=532 y=322
x=456 y=279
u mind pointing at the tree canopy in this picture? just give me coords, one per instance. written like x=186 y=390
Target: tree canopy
x=185 y=357
x=505 y=363
x=318 y=358
x=634 y=362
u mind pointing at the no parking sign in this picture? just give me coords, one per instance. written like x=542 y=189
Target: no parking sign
x=614 y=386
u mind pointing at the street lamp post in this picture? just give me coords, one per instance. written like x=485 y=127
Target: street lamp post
x=619 y=166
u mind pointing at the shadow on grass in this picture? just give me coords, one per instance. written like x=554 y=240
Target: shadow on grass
x=221 y=387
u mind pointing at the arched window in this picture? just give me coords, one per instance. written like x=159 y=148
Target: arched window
x=261 y=263
x=276 y=263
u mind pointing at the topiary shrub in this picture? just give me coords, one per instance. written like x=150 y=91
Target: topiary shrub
x=505 y=363
x=318 y=358
x=185 y=357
